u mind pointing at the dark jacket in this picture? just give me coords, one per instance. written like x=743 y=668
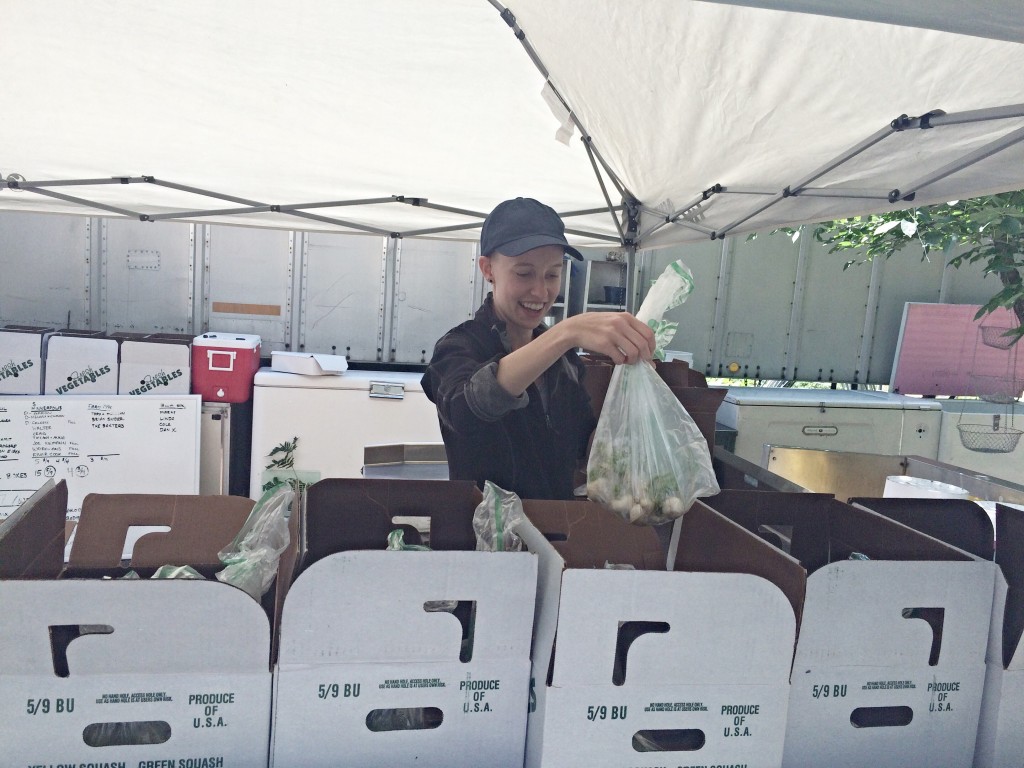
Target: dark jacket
x=528 y=444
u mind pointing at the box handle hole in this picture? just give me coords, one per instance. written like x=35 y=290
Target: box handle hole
x=936 y=618
x=465 y=612
x=406 y=719
x=125 y=734
x=881 y=717
x=61 y=636
x=669 y=740
x=629 y=631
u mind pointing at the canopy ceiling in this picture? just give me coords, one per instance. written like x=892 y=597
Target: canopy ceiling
x=270 y=104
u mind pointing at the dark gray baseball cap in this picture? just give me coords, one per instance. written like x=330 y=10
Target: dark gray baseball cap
x=519 y=225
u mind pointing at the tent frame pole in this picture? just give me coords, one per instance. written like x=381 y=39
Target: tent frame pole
x=933 y=119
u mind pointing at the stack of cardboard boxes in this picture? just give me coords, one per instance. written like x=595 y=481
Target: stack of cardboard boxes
x=45 y=361
x=777 y=630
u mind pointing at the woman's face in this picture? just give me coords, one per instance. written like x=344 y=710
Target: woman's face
x=525 y=286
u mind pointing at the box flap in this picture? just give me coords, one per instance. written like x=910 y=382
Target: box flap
x=959 y=522
x=928 y=616
x=71 y=346
x=678 y=373
x=816 y=529
x=377 y=607
x=644 y=628
x=32 y=537
x=181 y=338
x=1010 y=557
x=308 y=364
x=709 y=542
x=39 y=329
x=125 y=627
x=586 y=535
x=344 y=514
x=200 y=526
x=156 y=352
x=21 y=345
x=287 y=568
x=602 y=616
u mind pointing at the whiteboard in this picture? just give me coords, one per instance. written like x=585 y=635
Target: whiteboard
x=98 y=444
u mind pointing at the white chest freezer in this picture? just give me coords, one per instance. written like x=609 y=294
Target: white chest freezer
x=832 y=419
x=984 y=437
x=335 y=418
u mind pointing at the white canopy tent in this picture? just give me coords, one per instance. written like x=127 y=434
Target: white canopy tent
x=415 y=118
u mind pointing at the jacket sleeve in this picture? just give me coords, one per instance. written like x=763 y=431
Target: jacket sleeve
x=462 y=383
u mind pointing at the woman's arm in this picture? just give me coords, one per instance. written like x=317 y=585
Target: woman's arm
x=618 y=335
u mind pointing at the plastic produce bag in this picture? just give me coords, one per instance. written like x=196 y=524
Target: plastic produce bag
x=649 y=460
x=177 y=572
x=396 y=543
x=495 y=520
x=252 y=556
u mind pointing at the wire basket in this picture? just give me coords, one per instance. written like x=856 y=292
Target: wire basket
x=996 y=389
x=985 y=438
x=993 y=336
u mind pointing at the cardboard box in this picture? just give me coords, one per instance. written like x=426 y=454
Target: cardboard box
x=155 y=365
x=80 y=363
x=224 y=366
x=125 y=671
x=890 y=661
x=965 y=524
x=21 y=359
x=372 y=670
x=651 y=667
x=308 y=364
x=1001 y=732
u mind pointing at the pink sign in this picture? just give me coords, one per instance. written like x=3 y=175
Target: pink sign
x=943 y=350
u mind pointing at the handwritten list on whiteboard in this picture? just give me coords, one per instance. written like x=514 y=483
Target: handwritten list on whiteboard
x=100 y=444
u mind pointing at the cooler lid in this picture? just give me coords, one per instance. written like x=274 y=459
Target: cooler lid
x=354 y=380
x=831 y=398
x=230 y=340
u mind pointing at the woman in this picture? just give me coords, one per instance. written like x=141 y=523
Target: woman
x=508 y=391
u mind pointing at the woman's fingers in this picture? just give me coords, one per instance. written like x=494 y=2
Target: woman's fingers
x=619 y=335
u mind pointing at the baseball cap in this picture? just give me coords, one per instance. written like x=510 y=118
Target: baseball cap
x=519 y=225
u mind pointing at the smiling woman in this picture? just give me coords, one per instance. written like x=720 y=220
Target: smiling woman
x=509 y=393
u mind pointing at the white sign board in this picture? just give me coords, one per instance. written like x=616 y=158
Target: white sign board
x=98 y=444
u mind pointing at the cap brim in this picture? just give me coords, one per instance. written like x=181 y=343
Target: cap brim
x=524 y=244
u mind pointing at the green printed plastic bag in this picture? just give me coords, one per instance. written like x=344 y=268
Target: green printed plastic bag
x=649 y=461
x=495 y=520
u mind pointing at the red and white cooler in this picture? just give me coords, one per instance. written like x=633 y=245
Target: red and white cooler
x=224 y=365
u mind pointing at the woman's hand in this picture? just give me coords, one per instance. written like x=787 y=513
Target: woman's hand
x=619 y=335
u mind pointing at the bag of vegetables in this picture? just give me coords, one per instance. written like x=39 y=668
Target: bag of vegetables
x=649 y=461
